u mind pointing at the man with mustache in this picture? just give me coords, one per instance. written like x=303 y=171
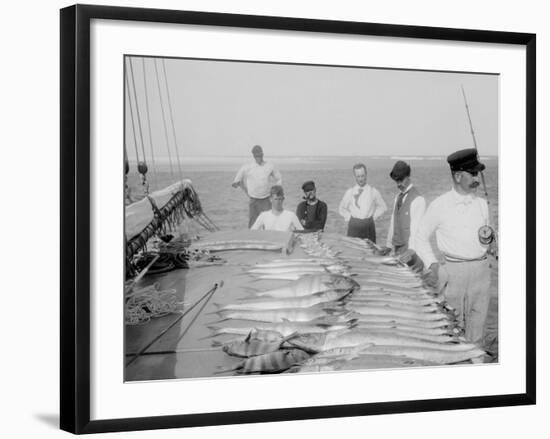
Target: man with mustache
x=361 y=206
x=311 y=212
x=456 y=218
x=408 y=209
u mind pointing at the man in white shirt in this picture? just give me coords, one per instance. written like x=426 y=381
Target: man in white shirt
x=456 y=218
x=408 y=209
x=361 y=206
x=277 y=218
x=256 y=179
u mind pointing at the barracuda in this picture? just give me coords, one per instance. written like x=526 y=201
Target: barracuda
x=320 y=342
x=288 y=302
x=311 y=284
x=282 y=314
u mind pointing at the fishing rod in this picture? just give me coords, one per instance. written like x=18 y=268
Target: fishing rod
x=475 y=142
x=487 y=235
x=207 y=296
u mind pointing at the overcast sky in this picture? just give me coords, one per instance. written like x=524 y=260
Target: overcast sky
x=224 y=108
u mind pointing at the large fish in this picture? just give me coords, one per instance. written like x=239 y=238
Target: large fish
x=388 y=298
x=311 y=284
x=292 y=269
x=320 y=342
x=252 y=346
x=272 y=362
x=408 y=327
x=332 y=269
x=288 y=302
x=293 y=264
x=439 y=356
x=393 y=305
x=368 y=319
x=396 y=312
x=285 y=328
x=283 y=314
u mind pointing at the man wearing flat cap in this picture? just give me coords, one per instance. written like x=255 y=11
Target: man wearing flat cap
x=256 y=179
x=408 y=209
x=456 y=218
x=311 y=212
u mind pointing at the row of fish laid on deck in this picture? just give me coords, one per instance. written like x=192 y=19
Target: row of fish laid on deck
x=335 y=313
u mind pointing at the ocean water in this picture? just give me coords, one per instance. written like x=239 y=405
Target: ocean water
x=228 y=207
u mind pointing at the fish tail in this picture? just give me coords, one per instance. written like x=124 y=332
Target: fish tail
x=220 y=369
x=224 y=319
x=290 y=336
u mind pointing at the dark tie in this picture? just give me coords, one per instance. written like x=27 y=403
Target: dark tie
x=357 y=195
x=400 y=199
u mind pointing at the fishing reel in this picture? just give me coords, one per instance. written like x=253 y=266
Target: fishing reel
x=486 y=235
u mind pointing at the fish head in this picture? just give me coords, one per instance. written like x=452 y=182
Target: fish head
x=309 y=342
x=340 y=282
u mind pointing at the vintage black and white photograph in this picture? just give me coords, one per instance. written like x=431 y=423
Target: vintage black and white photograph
x=299 y=218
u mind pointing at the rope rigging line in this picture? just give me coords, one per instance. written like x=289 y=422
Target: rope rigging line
x=155 y=176
x=132 y=116
x=171 y=118
x=164 y=120
x=137 y=109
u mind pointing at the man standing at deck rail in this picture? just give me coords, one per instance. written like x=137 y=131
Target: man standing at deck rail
x=408 y=209
x=256 y=179
x=458 y=219
x=361 y=206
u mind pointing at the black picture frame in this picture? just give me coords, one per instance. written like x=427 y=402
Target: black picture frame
x=75 y=217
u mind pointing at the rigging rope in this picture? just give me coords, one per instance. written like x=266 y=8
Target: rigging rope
x=132 y=117
x=164 y=121
x=155 y=176
x=172 y=118
x=137 y=109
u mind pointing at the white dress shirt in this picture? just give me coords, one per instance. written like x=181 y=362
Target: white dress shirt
x=369 y=203
x=283 y=222
x=456 y=220
x=418 y=207
x=258 y=179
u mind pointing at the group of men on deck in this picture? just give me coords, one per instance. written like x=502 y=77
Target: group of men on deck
x=457 y=219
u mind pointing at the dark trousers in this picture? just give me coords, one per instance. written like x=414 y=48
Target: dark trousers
x=362 y=228
x=255 y=207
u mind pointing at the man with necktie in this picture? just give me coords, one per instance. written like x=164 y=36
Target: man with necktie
x=458 y=218
x=361 y=206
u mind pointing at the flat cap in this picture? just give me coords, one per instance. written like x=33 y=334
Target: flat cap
x=465 y=160
x=400 y=170
x=308 y=186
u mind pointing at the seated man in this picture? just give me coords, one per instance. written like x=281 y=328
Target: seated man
x=312 y=212
x=277 y=218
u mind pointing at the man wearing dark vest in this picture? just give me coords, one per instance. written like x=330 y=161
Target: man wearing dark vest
x=408 y=209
